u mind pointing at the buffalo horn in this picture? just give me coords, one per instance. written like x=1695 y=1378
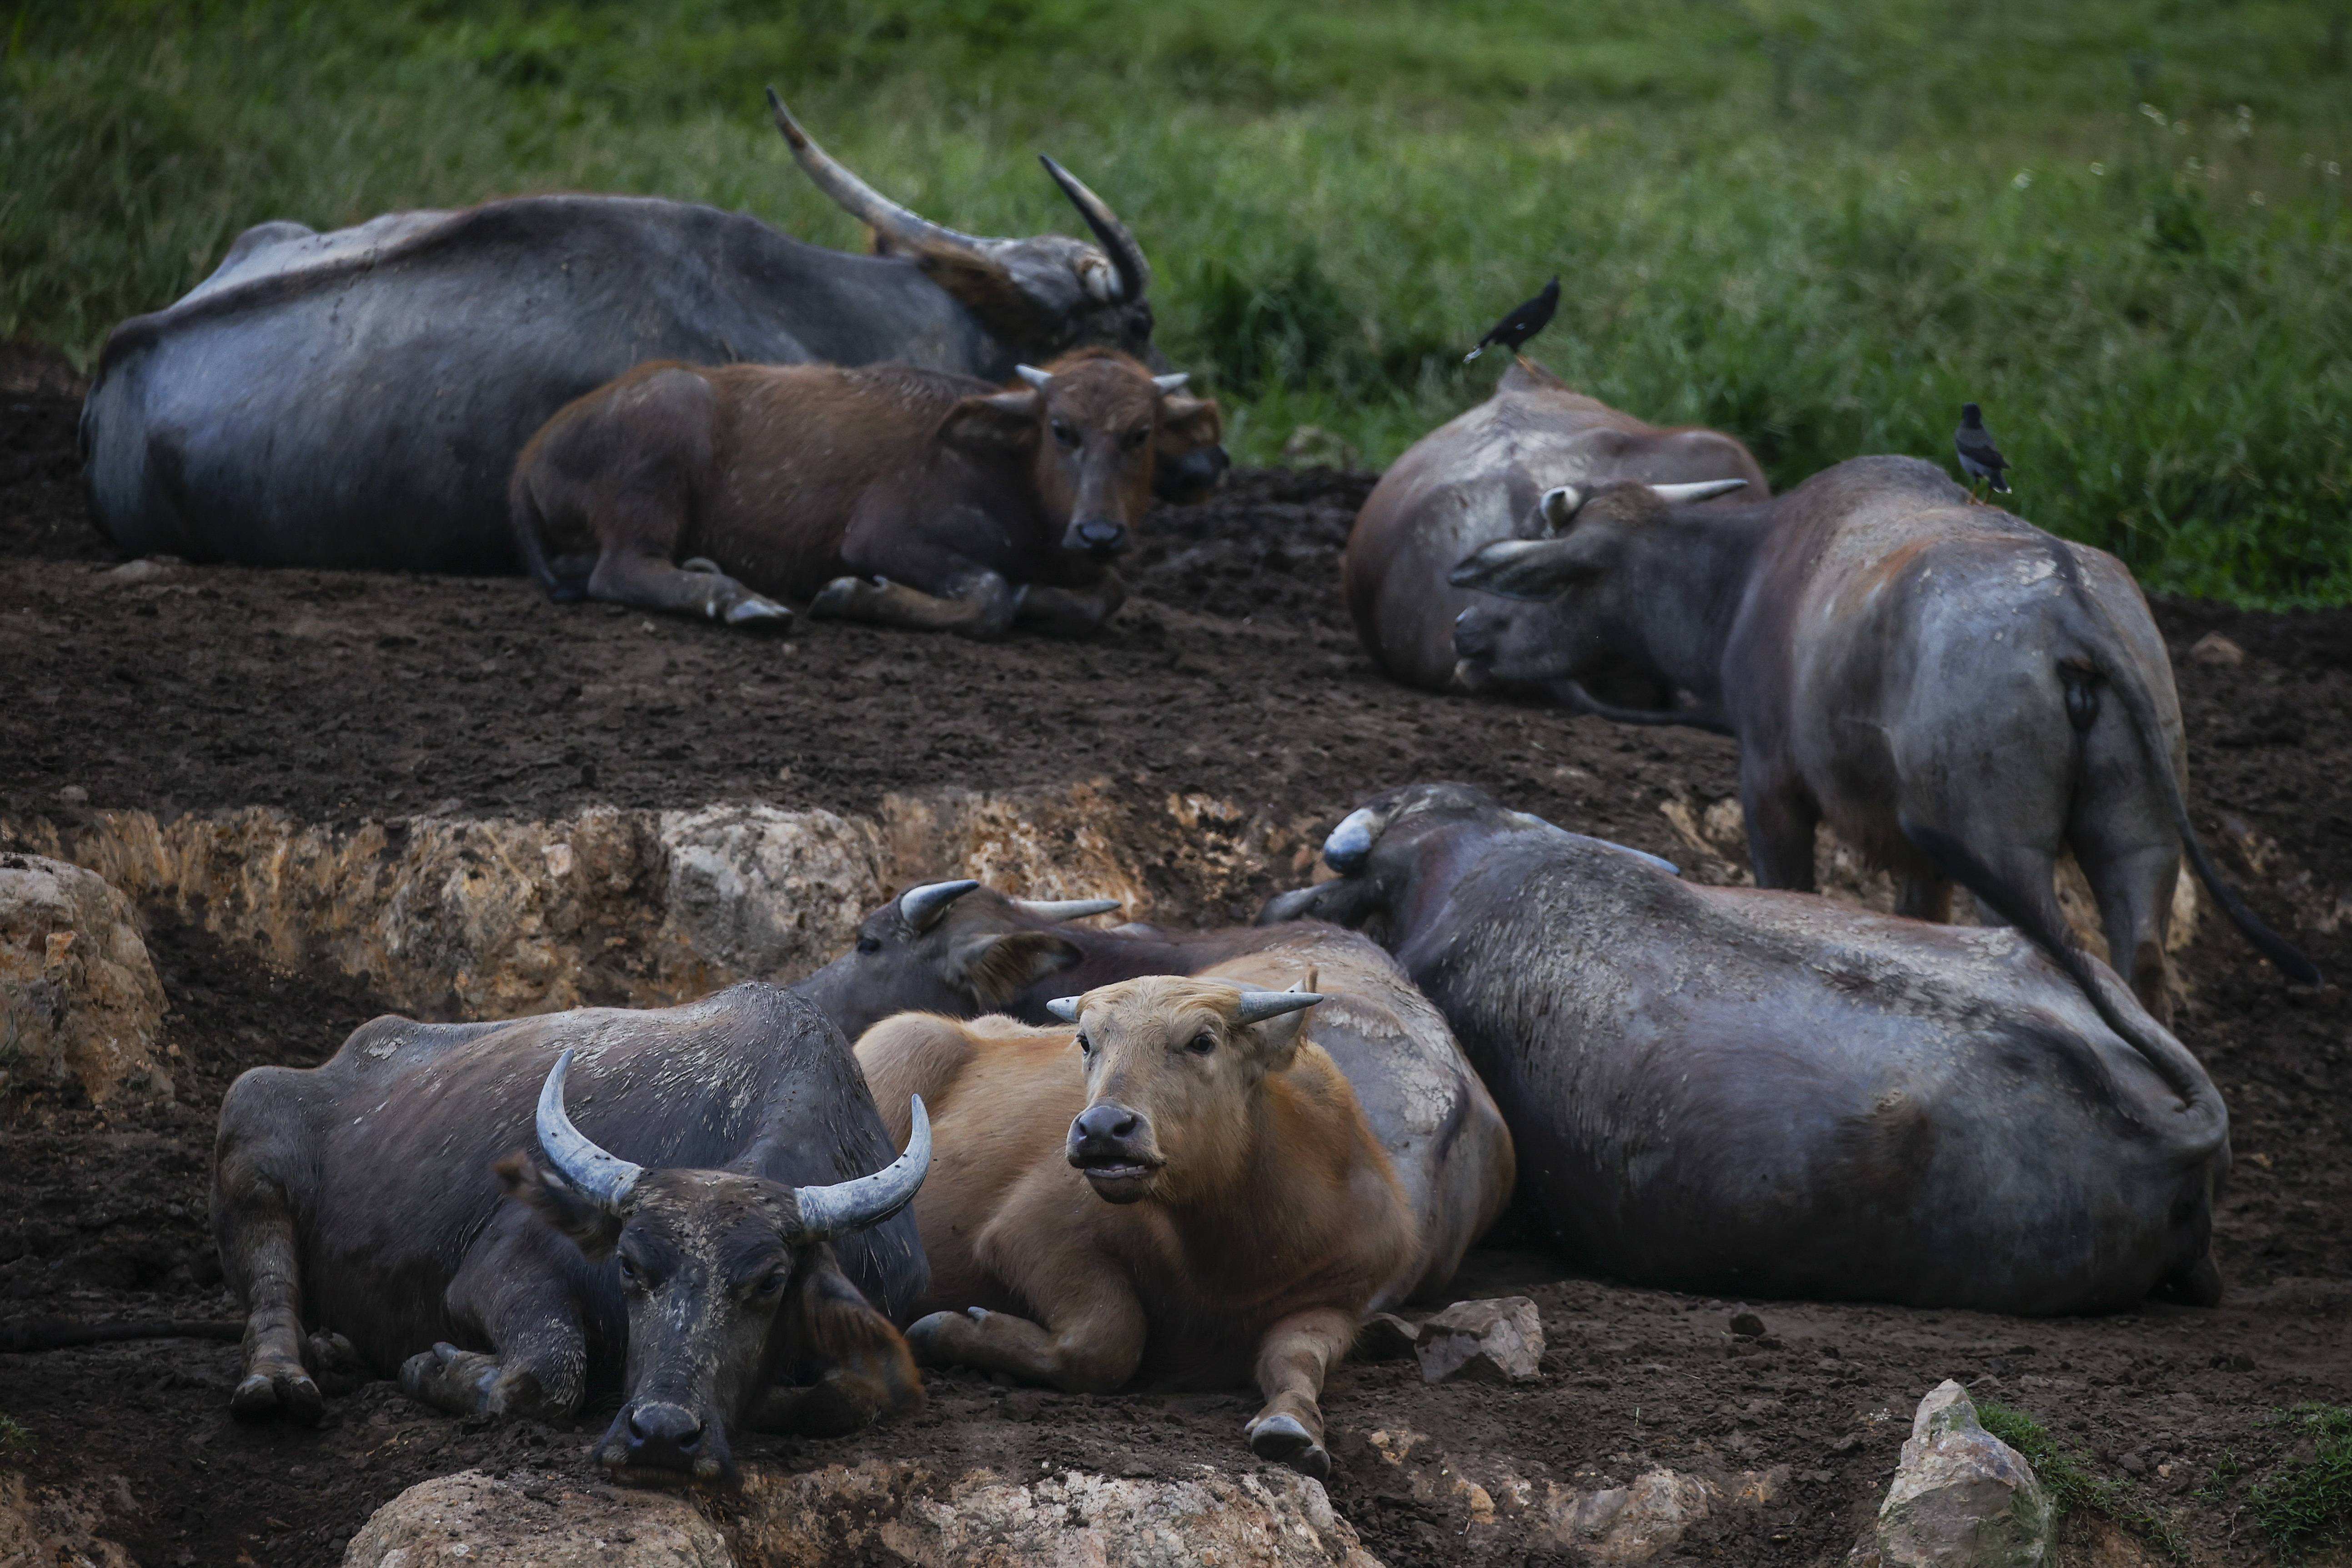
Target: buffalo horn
x=854 y=1204
x=1175 y=383
x=921 y=907
x=905 y=230
x=1040 y=379
x=1065 y=1008
x=1349 y=842
x=1560 y=505
x=1134 y=272
x=606 y=1178
x=1697 y=490
x=1060 y=910
x=1257 y=1004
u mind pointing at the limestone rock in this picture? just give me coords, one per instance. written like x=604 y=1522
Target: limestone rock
x=79 y=1000
x=759 y=894
x=526 y=1520
x=1631 y=1523
x=59 y=1525
x=2216 y=651
x=1497 y=1340
x=898 y=1512
x=1961 y=1498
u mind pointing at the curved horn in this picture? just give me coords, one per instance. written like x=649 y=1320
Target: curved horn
x=1349 y=842
x=1040 y=379
x=1697 y=490
x=1168 y=384
x=904 y=229
x=606 y=1178
x=845 y=1206
x=1560 y=504
x=1065 y=1008
x=1134 y=272
x=1257 y=1005
x=921 y=907
x=1060 y=910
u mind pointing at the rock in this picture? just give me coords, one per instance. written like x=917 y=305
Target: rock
x=1631 y=1523
x=526 y=1520
x=898 y=1512
x=1961 y=1498
x=2216 y=652
x=1498 y=1341
x=146 y=569
x=79 y=1000
x=1747 y=1326
x=1312 y=446
x=59 y=1525
x=1384 y=1336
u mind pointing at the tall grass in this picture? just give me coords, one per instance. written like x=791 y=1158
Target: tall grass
x=2120 y=225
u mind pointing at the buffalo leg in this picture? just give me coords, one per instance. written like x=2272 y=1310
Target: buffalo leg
x=861 y=1367
x=512 y=1291
x=625 y=576
x=1093 y=1345
x=2134 y=891
x=1924 y=899
x=978 y=603
x=1292 y=1360
x=258 y=1253
x=1781 y=819
x=1070 y=612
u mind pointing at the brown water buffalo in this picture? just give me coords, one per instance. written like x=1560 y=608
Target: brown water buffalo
x=962 y=950
x=1186 y=1195
x=893 y=494
x=1758 y=1093
x=1961 y=695
x=384 y=1207
x=1476 y=480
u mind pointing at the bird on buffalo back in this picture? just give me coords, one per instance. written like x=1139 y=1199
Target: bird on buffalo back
x=1521 y=324
x=1980 y=459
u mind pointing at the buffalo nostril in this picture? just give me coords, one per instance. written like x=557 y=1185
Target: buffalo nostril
x=665 y=1425
x=1108 y=1121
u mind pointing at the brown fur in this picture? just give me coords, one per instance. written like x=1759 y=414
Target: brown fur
x=1268 y=1220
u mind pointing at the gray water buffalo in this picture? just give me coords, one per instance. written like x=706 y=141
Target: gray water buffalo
x=1960 y=694
x=1182 y=1192
x=356 y=399
x=1763 y=1093
x=885 y=493
x=706 y=1232
x=1475 y=480
x=962 y=950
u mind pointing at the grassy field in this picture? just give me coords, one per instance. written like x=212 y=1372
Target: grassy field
x=2120 y=225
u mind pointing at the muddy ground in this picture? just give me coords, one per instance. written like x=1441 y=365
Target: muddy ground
x=1232 y=672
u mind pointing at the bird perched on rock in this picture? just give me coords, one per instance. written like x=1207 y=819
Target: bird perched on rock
x=1521 y=324
x=1980 y=459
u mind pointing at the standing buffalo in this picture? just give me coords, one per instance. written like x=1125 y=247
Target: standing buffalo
x=1183 y=1193
x=386 y=1201
x=1768 y=1094
x=1476 y=480
x=356 y=399
x=959 y=949
x=913 y=497
x=1961 y=695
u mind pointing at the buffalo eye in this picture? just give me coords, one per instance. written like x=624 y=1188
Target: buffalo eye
x=771 y=1282
x=1135 y=438
x=1085 y=1045
x=1066 y=432
x=869 y=944
x=629 y=1274
x=1203 y=1042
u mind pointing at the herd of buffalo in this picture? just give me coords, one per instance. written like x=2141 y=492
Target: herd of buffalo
x=998 y=1134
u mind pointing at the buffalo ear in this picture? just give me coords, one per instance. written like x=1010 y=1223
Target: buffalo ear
x=998 y=969
x=1278 y=1037
x=994 y=423
x=1188 y=424
x=855 y=1364
x=589 y=1226
x=1528 y=568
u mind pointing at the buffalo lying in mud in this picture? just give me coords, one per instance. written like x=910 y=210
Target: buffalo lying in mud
x=1768 y=1094
x=962 y=950
x=1476 y=480
x=1184 y=1194
x=908 y=497
x=1961 y=694
x=381 y=1208
x=356 y=399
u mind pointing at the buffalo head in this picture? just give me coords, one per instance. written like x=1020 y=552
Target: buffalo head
x=1089 y=428
x=1172 y=1067
x=726 y=1279
x=956 y=948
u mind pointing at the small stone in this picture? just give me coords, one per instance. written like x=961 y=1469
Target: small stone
x=1311 y=446
x=1847 y=1444
x=73 y=795
x=1498 y=1341
x=1746 y=1325
x=2217 y=652
x=2136 y=1463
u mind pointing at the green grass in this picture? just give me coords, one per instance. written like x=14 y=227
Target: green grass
x=1820 y=225
x=2307 y=1501
x=15 y=1440
x=2071 y=1484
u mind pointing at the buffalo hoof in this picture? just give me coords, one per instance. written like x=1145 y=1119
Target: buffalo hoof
x=836 y=600
x=277 y=1390
x=1285 y=1441
x=930 y=1336
x=760 y=614
x=450 y=1379
x=336 y=1366
x=702 y=564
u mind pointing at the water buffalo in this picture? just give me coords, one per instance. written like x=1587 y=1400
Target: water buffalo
x=1475 y=480
x=908 y=497
x=1184 y=1195
x=386 y=1200
x=356 y=399
x=1961 y=694
x=962 y=950
x=1768 y=1094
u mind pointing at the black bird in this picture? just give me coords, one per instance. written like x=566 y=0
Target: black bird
x=1980 y=459
x=1520 y=324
